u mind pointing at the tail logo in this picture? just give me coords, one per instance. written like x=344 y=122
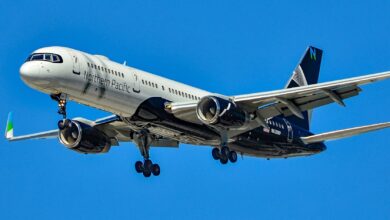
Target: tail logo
x=313 y=55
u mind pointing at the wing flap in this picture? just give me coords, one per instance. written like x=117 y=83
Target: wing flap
x=334 y=135
x=307 y=102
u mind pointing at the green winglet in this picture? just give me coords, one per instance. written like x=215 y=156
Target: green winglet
x=9 y=134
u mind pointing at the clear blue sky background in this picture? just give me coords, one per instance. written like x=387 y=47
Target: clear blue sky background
x=229 y=47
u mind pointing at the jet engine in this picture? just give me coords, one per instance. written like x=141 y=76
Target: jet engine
x=83 y=138
x=217 y=111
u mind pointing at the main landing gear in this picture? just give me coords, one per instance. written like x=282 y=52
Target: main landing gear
x=224 y=155
x=147 y=168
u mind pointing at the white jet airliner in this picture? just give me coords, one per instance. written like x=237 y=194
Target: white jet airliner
x=153 y=111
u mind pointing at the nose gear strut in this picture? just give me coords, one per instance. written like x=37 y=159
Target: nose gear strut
x=61 y=100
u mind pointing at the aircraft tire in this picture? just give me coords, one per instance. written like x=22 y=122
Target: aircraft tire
x=216 y=153
x=232 y=156
x=156 y=169
x=147 y=173
x=224 y=159
x=138 y=166
x=225 y=151
x=148 y=165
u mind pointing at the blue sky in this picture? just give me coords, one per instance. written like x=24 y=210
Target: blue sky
x=229 y=47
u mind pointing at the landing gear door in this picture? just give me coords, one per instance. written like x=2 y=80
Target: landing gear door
x=76 y=64
x=290 y=133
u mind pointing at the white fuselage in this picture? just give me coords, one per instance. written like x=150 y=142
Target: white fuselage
x=96 y=81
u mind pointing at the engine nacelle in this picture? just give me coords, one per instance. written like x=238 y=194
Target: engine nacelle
x=217 y=111
x=83 y=138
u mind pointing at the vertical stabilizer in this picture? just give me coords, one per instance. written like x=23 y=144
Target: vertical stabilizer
x=306 y=73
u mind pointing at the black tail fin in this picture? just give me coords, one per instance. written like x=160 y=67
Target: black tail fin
x=306 y=73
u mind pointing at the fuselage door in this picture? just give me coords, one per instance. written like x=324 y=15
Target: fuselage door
x=136 y=85
x=76 y=64
x=290 y=133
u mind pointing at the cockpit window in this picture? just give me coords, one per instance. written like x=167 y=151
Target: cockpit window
x=47 y=57
x=53 y=58
x=37 y=57
x=57 y=58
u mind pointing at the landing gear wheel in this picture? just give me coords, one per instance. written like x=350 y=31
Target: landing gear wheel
x=216 y=153
x=139 y=166
x=61 y=124
x=148 y=165
x=225 y=151
x=147 y=173
x=232 y=156
x=224 y=159
x=64 y=123
x=156 y=169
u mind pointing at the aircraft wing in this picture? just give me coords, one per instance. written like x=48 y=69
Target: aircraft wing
x=333 y=135
x=294 y=100
x=291 y=100
x=112 y=126
x=41 y=135
x=51 y=133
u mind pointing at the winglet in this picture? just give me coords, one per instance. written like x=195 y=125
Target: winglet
x=9 y=130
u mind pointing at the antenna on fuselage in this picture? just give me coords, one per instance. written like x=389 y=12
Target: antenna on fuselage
x=124 y=63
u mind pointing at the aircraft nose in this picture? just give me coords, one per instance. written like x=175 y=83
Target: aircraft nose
x=32 y=75
x=29 y=72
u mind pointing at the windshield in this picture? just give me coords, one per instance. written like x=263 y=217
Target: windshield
x=50 y=57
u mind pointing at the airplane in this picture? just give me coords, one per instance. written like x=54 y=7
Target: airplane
x=153 y=111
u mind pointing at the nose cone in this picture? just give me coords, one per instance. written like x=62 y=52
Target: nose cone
x=30 y=73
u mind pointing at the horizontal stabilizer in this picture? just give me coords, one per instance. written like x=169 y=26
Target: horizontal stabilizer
x=333 y=135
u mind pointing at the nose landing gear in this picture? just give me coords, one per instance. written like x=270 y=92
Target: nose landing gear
x=61 y=100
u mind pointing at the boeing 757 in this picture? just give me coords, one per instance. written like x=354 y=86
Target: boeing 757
x=153 y=111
